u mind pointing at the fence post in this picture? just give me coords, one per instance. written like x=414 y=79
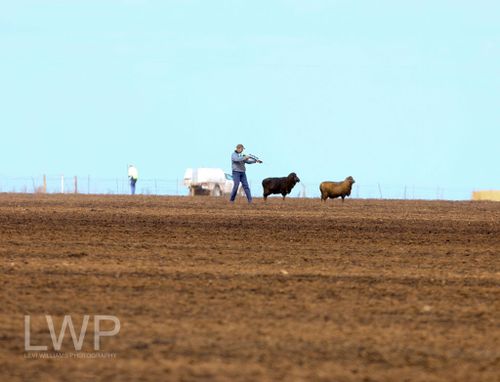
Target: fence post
x=62 y=184
x=44 y=184
x=76 y=185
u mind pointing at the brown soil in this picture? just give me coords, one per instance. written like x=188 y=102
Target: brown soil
x=365 y=290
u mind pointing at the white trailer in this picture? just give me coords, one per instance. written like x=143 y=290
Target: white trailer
x=208 y=181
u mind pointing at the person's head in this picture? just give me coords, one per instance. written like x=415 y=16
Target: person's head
x=240 y=148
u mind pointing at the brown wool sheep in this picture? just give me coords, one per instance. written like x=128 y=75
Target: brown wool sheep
x=335 y=189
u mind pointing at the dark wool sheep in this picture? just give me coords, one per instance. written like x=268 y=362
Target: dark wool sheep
x=335 y=189
x=281 y=186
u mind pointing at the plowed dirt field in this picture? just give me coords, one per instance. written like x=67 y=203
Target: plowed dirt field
x=365 y=290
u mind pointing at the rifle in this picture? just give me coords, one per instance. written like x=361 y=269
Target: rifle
x=254 y=157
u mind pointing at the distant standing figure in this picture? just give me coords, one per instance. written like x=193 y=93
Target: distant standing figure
x=133 y=175
x=238 y=161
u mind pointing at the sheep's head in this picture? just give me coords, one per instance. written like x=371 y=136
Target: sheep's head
x=293 y=177
x=350 y=179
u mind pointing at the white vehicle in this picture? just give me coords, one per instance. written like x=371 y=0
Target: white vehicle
x=208 y=181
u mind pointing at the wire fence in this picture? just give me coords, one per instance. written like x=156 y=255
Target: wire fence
x=89 y=185
x=388 y=191
x=160 y=186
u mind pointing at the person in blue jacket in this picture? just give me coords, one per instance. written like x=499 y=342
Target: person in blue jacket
x=238 y=161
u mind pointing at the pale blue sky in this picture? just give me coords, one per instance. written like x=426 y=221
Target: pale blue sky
x=390 y=92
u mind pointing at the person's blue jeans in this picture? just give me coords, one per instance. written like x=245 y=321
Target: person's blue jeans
x=132 y=185
x=238 y=177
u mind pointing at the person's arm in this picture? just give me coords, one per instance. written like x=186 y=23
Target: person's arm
x=237 y=158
